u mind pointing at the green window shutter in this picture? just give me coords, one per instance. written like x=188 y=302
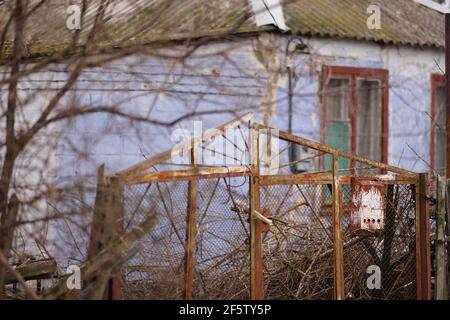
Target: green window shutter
x=338 y=136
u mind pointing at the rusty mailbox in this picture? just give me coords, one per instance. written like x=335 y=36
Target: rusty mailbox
x=366 y=207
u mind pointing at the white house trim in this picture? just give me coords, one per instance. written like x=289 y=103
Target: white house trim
x=443 y=8
x=269 y=12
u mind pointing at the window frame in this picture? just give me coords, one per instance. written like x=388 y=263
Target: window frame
x=354 y=74
x=437 y=80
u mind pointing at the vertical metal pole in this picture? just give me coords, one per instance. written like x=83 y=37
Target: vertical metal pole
x=190 y=232
x=441 y=267
x=418 y=247
x=447 y=91
x=338 y=243
x=447 y=207
x=256 y=268
x=447 y=95
x=423 y=255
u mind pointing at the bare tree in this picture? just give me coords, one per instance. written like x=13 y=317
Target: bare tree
x=37 y=119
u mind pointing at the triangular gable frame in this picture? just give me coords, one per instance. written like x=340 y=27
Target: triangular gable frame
x=139 y=169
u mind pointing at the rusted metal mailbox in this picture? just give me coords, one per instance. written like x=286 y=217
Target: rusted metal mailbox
x=366 y=207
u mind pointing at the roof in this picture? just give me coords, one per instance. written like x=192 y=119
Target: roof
x=128 y=22
x=403 y=22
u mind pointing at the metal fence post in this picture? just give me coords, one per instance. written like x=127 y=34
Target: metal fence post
x=441 y=266
x=190 y=232
x=423 y=255
x=256 y=280
x=338 y=243
x=447 y=238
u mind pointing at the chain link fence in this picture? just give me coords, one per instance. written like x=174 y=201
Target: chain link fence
x=393 y=251
x=157 y=269
x=297 y=248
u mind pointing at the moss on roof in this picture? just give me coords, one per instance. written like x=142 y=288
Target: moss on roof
x=402 y=21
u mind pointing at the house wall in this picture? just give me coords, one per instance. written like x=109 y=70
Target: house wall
x=410 y=71
x=231 y=76
x=225 y=79
x=36 y=168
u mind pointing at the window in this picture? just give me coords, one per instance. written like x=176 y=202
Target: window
x=438 y=124
x=369 y=131
x=338 y=124
x=355 y=109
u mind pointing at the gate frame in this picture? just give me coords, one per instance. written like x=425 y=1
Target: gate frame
x=137 y=175
x=419 y=180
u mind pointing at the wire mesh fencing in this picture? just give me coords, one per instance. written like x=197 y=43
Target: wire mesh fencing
x=157 y=269
x=245 y=231
x=222 y=250
x=297 y=249
x=392 y=251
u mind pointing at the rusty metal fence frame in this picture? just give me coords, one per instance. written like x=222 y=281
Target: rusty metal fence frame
x=138 y=174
